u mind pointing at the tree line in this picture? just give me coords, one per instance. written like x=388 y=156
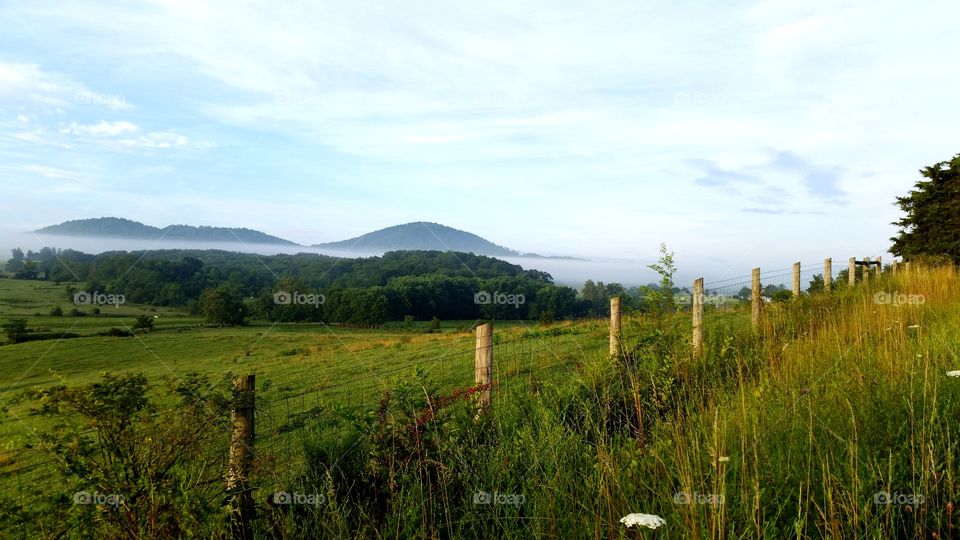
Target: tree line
x=365 y=291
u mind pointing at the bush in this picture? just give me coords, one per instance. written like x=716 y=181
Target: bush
x=782 y=296
x=116 y=332
x=157 y=461
x=144 y=322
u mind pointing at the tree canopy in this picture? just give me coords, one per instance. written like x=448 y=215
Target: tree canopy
x=931 y=226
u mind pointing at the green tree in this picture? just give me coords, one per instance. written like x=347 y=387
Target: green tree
x=816 y=284
x=28 y=270
x=223 y=306
x=15 y=264
x=660 y=300
x=931 y=226
x=16 y=330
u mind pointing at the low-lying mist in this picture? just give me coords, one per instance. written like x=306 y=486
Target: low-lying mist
x=572 y=272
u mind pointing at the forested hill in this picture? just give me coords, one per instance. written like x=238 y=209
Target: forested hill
x=421 y=236
x=111 y=227
x=423 y=284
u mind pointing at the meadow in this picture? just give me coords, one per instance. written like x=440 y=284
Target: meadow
x=836 y=418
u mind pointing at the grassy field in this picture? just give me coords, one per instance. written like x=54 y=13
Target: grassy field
x=838 y=405
x=294 y=362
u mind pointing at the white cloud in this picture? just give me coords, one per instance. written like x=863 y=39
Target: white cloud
x=160 y=139
x=100 y=129
x=29 y=85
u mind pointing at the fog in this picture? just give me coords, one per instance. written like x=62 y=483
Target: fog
x=564 y=271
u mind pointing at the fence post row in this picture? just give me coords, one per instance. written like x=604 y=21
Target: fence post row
x=615 y=326
x=828 y=274
x=697 y=317
x=241 y=457
x=483 y=363
x=755 y=299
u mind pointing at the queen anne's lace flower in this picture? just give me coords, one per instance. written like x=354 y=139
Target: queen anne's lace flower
x=953 y=374
x=643 y=520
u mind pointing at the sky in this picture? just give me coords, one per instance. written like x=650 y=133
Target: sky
x=738 y=133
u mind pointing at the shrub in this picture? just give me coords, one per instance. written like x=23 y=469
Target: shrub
x=144 y=322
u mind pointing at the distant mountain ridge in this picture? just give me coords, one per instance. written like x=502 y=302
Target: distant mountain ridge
x=112 y=227
x=423 y=236
x=416 y=236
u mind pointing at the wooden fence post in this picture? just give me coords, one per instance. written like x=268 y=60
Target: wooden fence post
x=241 y=457
x=907 y=267
x=893 y=267
x=827 y=274
x=483 y=363
x=879 y=266
x=615 y=326
x=866 y=270
x=755 y=299
x=697 y=317
x=852 y=272
x=796 y=280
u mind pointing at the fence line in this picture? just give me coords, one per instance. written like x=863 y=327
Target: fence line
x=488 y=375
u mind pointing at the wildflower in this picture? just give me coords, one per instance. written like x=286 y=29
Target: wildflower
x=953 y=373
x=914 y=326
x=723 y=459
x=643 y=520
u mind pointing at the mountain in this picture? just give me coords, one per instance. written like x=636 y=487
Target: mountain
x=421 y=235
x=112 y=227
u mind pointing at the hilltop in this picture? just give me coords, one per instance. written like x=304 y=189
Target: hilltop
x=421 y=236
x=113 y=227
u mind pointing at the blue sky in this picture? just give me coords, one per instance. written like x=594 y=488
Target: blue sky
x=777 y=131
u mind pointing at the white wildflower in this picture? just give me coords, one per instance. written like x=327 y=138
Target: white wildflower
x=643 y=520
x=914 y=326
x=953 y=373
x=723 y=459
